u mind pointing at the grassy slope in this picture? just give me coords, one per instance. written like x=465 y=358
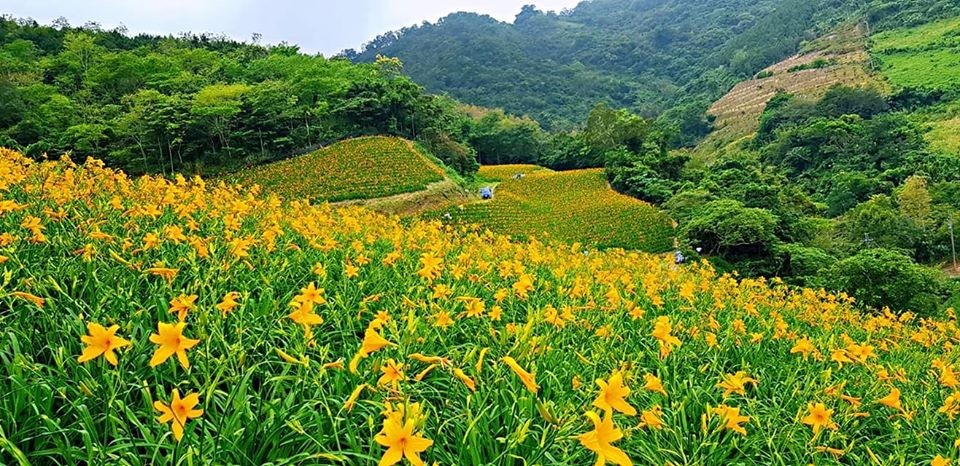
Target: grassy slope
x=944 y=136
x=927 y=56
x=361 y=168
x=575 y=206
x=271 y=395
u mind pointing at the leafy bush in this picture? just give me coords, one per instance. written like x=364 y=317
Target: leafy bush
x=783 y=110
x=865 y=102
x=727 y=228
x=684 y=204
x=881 y=277
x=457 y=156
x=849 y=189
x=814 y=65
x=802 y=264
x=642 y=182
x=879 y=223
x=8 y=142
x=503 y=139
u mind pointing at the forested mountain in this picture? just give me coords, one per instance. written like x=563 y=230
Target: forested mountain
x=644 y=55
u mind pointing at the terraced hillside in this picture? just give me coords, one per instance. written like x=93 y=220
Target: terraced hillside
x=840 y=58
x=507 y=172
x=573 y=206
x=361 y=168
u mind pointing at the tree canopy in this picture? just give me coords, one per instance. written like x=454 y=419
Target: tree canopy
x=195 y=103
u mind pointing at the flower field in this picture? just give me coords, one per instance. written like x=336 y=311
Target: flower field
x=146 y=321
x=574 y=206
x=361 y=168
x=507 y=172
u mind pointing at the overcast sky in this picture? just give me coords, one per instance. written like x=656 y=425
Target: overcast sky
x=324 y=26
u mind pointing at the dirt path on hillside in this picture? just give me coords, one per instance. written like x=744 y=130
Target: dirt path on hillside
x=435 y=196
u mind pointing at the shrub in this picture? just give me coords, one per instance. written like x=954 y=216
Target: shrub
x=727 y=228
x=7 y=141
x=882 y=277
x=814 y=65
x=684 y=204
x=847 y=189
x=878 y=222
x=802 y=264
x=640 y=181
x=459 y=157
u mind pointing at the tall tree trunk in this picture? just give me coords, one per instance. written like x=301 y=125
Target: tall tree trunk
x=263 y=152
x=163 y=168
x=306 y=121
x=143 y=152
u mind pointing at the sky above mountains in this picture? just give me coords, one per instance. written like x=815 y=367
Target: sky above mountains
x=317 y=26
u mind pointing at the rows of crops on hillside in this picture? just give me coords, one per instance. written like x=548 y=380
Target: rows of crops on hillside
x=175 y=322
x=739 y=111
x=361 y=168
x=575 y=206
x=838 y=58
x=508 y=172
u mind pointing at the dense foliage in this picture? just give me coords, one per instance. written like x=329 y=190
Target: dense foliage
x=823 y=181
x=880 y=277
x=644 y=55
x=195 y=103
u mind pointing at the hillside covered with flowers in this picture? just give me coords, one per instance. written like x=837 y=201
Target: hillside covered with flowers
x=148 y=321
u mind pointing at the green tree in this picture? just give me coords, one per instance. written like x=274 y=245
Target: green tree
x=78 y=58
x=457 y=156
x=849 y=189
x=878 y=223
x=503 y=139
x=608 y=129
x=193 y=102
x=866 y=102
x=914 y=201
x=216 y=106
x=880 y=277
x=726 y=228
x=802 y=265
